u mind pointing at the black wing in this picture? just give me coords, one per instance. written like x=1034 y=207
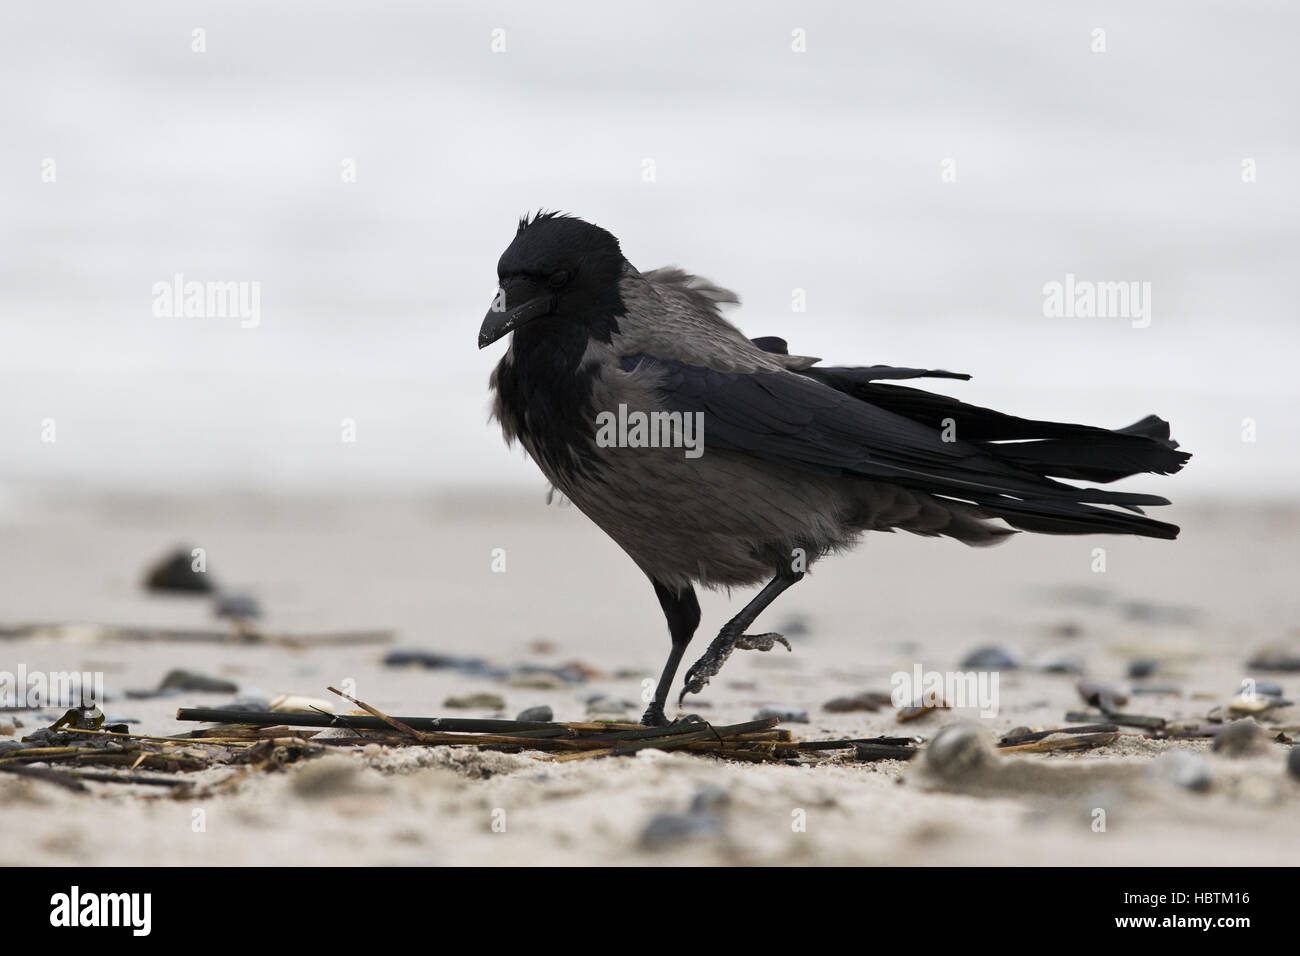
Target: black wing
x=828 y=421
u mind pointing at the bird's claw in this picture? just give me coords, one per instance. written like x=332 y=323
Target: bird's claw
x=761 y=642
x=709 y=664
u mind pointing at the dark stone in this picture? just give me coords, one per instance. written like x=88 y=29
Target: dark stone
x=605 y=704
x=990 y=658
x=868 y=700
x=1275 y=659
x=243 y=606
x=565 y=672
x=1141 y=668
x=710 y=799
x=175 y=574
x=1102 y=696
x=789 y=715
x=1058 y=663
x=469 y=666
x=956 y=750
x=666 y=830
x=1241 y=738
x=257 y=704
x=178 y=680
x=1268 y=688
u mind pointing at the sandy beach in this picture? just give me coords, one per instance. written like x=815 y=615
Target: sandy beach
x=421 y=570
x=249 y=251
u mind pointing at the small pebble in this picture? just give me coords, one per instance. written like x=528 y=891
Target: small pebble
x=710 y=799
x=469 y=666
x=604 y=704
x=1056 y=662
x=1255 y=703
x=1159 y=613
x=175 y=573
x=1183 y=769
x=956 y=749
x=537 y=681
x=867 y=700
x=789 y=715
x=200 y=683
x=1142 y=668
x=482 y=701
x=572 y=673
x=667 y=830
x=1275 y=658
x=242 y=606
x=1101 y=695
x=539 y=714
x=991 y=658
x=248 y=703
x=1268 y=688
x=1241 y=738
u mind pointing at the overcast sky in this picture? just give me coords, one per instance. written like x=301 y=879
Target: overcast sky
x=922 y=171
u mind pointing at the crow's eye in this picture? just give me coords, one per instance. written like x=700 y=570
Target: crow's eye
x=558 y=279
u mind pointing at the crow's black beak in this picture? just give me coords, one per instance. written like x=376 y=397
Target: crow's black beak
x=517 y=301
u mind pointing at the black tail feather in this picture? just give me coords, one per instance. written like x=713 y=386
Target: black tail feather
x=1056 y=517
x=1042 y=450
x=1047 y=449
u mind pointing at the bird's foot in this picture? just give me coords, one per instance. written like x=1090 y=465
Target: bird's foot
x=654 y=716
x=709 y=665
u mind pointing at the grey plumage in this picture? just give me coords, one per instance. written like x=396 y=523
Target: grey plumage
x=726 y=518
x=799 y=459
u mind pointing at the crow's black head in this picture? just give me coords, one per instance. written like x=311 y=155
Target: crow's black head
x=557 y=266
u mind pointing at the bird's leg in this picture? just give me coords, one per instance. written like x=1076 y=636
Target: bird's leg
x=733 y=636
x=682 y=611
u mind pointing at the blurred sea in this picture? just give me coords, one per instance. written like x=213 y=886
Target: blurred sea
x=773 y=171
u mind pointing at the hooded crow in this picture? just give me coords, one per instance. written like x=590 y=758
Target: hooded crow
x=718 y=460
